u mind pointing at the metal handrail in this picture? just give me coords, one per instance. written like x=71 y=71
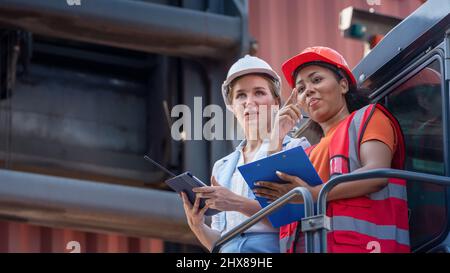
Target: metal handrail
x=309 y=211
x=377 y=173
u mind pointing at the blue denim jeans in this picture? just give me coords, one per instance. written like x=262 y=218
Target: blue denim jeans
x=253 y=242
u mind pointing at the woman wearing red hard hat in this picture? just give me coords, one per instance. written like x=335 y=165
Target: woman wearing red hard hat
x=365 y=215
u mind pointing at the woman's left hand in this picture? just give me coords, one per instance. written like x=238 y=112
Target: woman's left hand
x=273 y=191
x=218 y=197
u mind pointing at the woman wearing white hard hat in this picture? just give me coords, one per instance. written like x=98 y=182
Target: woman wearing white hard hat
x=250 y=89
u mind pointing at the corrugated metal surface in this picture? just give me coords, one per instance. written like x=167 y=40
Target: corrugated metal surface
x=285 y=27
x=19 y=237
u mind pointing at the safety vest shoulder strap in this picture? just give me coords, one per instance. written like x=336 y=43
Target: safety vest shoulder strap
x=344 y=148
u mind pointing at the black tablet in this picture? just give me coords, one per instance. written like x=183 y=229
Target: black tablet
x=185 y=182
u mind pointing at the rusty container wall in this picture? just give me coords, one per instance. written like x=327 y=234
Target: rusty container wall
x=283 y=28
x=17 y=237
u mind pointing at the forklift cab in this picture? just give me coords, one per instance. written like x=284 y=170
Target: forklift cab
x=408 y=72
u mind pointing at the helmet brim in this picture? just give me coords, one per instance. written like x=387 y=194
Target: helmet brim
x=291 y=65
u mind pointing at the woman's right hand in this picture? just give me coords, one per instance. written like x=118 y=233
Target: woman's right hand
x=285 y=120
x=195 y=216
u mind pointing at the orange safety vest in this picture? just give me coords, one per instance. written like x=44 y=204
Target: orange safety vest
x=377 y=222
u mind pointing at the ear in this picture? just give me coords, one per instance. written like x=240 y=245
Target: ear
x=344 y=86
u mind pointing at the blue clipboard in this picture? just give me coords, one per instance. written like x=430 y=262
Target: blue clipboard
x=294 y=162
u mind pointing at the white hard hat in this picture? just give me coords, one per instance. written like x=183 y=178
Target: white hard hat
x=249 y=65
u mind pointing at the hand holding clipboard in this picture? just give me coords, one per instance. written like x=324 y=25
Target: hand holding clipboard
x=294 y=162
x=272 y=191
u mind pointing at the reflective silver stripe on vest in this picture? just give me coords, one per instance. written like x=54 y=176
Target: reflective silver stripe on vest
x=345 y=223
x=391 y=190
x=353 y=131
x=288 y=242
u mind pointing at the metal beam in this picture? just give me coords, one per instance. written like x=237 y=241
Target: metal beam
x=90 y=206
x=134 y=25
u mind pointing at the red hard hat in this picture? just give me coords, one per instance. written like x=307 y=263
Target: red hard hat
x=314 y=54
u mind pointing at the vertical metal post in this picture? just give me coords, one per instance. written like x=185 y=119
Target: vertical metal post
x=322 y=210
